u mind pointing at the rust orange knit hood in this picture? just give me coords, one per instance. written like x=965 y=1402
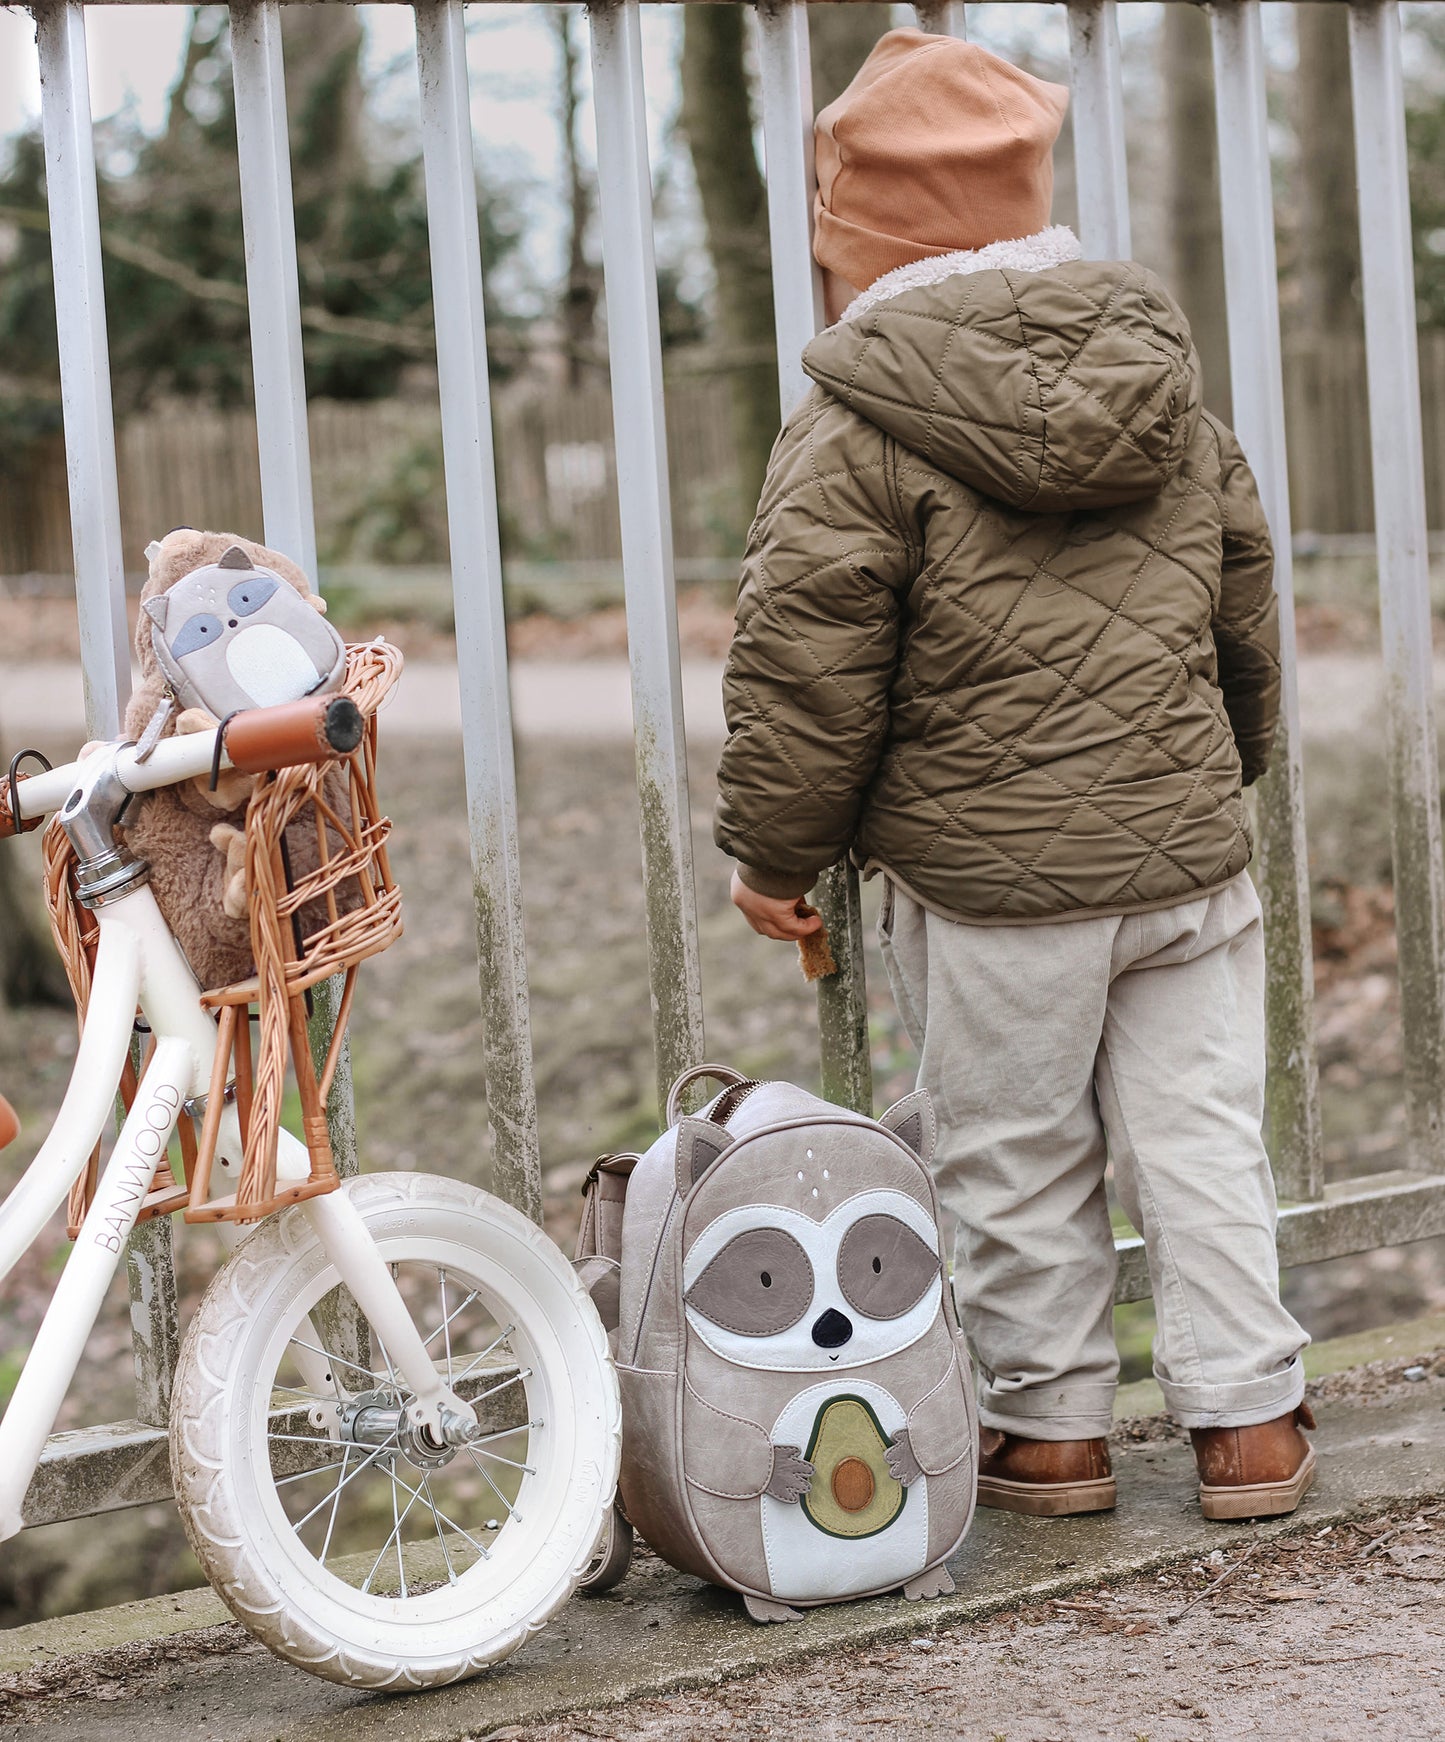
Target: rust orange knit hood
x=936 y=146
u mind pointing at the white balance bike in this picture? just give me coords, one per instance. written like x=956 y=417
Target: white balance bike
x=395 y=1429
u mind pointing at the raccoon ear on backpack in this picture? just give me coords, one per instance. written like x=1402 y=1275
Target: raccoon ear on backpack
x=699 y=1144
x=913 y=1120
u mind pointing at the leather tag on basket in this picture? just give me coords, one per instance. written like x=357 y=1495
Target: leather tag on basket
x=815 y=953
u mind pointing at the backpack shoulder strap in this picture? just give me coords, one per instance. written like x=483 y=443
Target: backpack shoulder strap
x=598 y=1258
x=604 y=1195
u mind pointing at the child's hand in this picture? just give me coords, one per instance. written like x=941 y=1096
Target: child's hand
x=773 y=916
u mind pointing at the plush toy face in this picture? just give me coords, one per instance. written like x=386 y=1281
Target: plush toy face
x=231 y=636
x=769 y=1286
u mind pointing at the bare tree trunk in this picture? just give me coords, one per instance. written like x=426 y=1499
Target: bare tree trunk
x=1329 y=238
x=323 y=82
x=1193 y=195
x=580 y=293
x=717 y=116
x=840 y=38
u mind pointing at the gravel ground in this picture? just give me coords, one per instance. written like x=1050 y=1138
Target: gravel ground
x=1337 y=1636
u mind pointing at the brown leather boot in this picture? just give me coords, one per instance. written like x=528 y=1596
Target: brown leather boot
x=1255 y=1472
x=1045 y=1478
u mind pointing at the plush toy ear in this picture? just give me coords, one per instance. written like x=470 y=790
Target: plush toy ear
x=235 y=558
x=699 y=1144
x=913 y=1120
x=156 y=609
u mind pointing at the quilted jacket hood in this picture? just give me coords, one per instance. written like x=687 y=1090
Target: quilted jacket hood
x=1073 y=388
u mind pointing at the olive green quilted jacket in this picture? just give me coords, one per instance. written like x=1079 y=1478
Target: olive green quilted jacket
x=1006 y=627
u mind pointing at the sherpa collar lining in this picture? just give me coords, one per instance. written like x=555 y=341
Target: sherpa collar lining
x=1036 y=253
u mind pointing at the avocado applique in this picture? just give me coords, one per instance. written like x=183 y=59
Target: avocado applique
x=853 y=1493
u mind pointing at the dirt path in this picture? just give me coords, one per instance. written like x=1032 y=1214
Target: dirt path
x=1335 y=1637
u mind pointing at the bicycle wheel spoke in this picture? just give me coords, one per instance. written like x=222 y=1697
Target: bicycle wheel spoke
x=337 y=1361
x=511 y=1379
x=501 y=1433
x=483 y=1552
x=300 y=1475
x=346 y=1480
x=390 y=1370
x=477 y=1361
x=395 y=1536
x=512 y=1512
x=450 y=1318
x=335 y=1504
x=441 y=1535
x=512 y=1463
x=301 y=1440
x=445 y=1327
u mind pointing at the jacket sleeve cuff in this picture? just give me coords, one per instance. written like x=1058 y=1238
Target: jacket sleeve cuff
x=779 y=885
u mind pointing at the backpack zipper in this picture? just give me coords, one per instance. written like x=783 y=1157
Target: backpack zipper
x=730 y=1100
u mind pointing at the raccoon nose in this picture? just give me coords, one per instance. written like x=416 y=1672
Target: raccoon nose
x=832 y=1329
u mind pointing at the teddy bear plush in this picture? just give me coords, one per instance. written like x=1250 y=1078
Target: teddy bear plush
x=225 y=624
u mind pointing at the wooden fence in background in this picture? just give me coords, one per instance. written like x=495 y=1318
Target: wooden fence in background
x=378 y=470
x=379 y=485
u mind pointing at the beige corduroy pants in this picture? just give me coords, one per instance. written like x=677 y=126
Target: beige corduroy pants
x=1051 y=1050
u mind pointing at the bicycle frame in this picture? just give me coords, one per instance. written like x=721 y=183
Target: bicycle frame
x=139 y=964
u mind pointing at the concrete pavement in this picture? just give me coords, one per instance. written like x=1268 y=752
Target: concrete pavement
x=661 y=1631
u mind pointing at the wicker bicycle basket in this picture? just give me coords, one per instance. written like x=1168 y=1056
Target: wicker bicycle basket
x=322 y=899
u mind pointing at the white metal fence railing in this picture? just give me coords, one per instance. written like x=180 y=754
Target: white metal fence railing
x=124 y=1463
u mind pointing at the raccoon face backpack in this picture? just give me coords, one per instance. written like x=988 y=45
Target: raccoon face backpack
x=798 y=1408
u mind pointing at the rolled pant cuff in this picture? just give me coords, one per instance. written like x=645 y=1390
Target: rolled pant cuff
x=1243 y=1405
x=1049 y=1412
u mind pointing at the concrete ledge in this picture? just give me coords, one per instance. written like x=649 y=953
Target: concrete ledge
x=661 y=1631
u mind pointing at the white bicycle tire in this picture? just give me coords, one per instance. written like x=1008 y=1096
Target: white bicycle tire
x=222 y=1393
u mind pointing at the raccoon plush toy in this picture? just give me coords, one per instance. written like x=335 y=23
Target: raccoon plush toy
x=225 y=624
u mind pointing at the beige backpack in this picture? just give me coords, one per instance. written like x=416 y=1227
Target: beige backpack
x=798 y=1407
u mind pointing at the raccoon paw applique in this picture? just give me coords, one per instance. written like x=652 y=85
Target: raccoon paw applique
x=792 y=1475
x=764 y=1610
x=902 y=1460
x=936 y=1582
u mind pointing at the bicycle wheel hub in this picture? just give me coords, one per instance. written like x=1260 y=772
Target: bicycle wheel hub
x=377 y=1419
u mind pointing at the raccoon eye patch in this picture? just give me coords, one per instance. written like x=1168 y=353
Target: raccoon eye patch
x=761 y=1283
x=884 y=1268
x=248 y=596
x=198 y=631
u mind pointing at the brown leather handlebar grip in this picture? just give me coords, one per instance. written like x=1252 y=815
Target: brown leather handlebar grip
x=294 y=733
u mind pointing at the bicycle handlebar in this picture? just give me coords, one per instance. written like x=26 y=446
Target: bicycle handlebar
x=289 y=735
x=293 y=734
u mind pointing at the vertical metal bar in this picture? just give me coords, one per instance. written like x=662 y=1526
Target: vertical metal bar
x=1397 y=452
x=272 y=283
x=99 y=559
x=476 y=553
x=150 y=1268
x=786 y=81
x=1098 y=104
x=1257 y=380
x=274 y=298
x=84 y=363
x=635 y=353
x=787 y=100
x=942 y=18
